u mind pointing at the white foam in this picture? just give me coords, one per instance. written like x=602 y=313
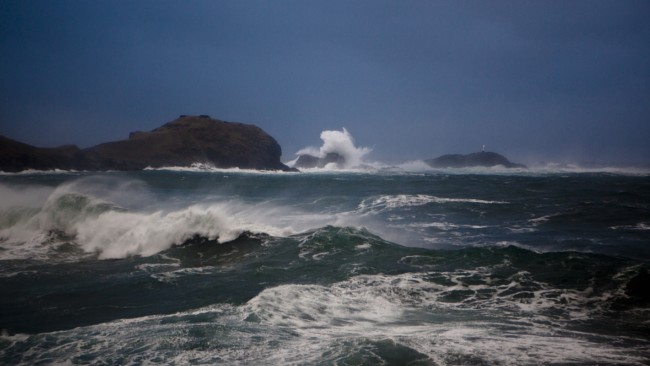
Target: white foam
x=522 y=230
x=445 y=226
x=316 y=324
x=377 y=307
x=535 y=169
x=118 y=234
x=405 y=200
x=311 y=306
x=117 y=217
x=419 y=166
x=641 y=226
x=210 y=168
x=339 y=142
x=172 y=276
x=29 y=232
x=41 y=172
x=542 y=219
x=555 y=168
x=363 y=246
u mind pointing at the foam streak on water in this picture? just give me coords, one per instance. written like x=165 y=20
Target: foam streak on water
x=364 y=320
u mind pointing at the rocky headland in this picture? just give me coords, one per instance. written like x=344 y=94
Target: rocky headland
x=181 y=142
x=478 y=159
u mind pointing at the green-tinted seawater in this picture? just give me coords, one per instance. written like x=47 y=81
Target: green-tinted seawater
x=165 y=267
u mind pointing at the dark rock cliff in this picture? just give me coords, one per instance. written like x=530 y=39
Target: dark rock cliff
x=186 y=140
x=16 y=156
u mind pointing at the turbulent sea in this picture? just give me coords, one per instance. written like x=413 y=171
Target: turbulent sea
x=389 y=267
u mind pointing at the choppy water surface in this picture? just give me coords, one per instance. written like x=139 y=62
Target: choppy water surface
x=435 y=268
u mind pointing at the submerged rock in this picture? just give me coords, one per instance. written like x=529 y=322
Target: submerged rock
x=478 y=159
x=182 y=142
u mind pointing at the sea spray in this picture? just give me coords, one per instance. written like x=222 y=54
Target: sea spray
x=341 y=143
x=122 y=234
x=118 y=217
x=42 y=218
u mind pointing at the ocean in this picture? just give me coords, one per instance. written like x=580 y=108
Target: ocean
x=377 y=267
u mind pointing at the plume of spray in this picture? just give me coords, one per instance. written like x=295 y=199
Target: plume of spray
x=116 y=217
x=339 y=142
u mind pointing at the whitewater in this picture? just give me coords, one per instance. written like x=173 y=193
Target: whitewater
x=362 y=264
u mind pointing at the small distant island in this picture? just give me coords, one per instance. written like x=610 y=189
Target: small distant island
x=181 y=142
x=478 y=159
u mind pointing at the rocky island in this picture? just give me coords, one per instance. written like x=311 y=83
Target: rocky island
x=181 y=142
x=478 y=159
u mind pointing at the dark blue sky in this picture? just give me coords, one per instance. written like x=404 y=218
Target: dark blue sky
x=535 y=80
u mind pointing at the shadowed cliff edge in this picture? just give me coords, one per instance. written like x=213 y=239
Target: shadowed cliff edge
x=181 y=142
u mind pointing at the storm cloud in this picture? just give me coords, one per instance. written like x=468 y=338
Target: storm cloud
x=539 y=81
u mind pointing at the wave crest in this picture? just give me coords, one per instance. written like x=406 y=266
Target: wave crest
x=120 y=234
x=116 y=218
x=340 y=143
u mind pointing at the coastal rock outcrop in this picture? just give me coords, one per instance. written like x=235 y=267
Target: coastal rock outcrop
x=478 y=159
x=16 y=156
x=181 y=142
x=306 y=161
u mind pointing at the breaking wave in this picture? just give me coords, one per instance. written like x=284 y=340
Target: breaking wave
x=116 y=218
x=341 y=143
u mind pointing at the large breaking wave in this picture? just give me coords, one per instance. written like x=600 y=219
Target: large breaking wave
x=116 y=218
x=111 y=217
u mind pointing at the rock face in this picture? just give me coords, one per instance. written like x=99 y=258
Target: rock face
x=306 y=161
x=479 y=159
x=16 y=156
x=182 y=142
